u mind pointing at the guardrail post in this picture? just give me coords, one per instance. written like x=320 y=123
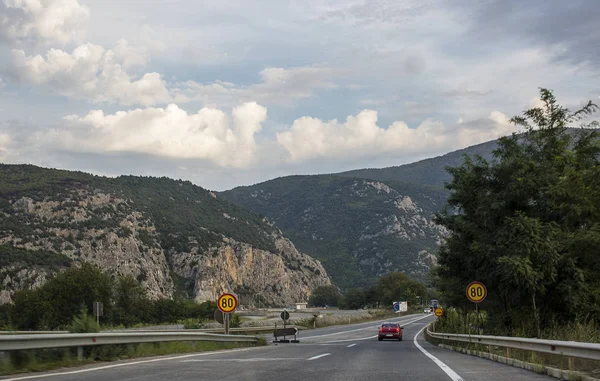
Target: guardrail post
x=79 y=353
x=508 y=352
x=571 y=362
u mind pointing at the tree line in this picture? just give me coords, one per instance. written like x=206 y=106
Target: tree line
x=391 y=288
x=527 y=224
x=71 y=294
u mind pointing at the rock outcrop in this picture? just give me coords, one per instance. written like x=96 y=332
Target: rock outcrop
x=44 y=232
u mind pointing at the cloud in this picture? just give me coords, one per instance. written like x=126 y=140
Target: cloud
x=169 y=132
x=45 y=21
x=570 y=27
x=5 y=141
x=359 y=135
x=91 y=72
x=279 y=86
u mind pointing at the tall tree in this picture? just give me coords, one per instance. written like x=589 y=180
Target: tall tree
x=526 y=222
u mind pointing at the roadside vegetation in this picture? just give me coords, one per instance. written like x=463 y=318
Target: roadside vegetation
x=391 y=288
x=527 y=225
x=65 y=302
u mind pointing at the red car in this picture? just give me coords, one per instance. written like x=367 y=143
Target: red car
x=390 y=331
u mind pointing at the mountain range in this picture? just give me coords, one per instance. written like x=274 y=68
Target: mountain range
x=174 y=237
x=365 y=223
x=271 y=242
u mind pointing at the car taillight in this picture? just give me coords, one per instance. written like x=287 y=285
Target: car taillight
x=380 y=329
x=397 y=329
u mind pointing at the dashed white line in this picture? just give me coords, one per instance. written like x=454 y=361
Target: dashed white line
x=350 y=346
x=452 y=374
x=319 y=356
x=347 y=340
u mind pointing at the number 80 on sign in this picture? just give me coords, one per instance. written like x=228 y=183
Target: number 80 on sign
x=227 y=303
x=476 y=292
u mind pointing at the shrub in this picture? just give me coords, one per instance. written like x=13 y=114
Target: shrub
x=84 y=323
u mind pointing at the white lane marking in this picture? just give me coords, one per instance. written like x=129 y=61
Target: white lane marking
x=452 y=374
x=255 y=359
x=358 y=329
x=350 y=346
x=347 y=340
x=318 y=357
x=123 y=364
x=372 y=337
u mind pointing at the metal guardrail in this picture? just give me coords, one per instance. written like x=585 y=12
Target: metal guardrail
x=590 y=351
x=265 y=329
x=62 y=340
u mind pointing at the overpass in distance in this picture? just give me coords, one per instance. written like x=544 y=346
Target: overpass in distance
x=343 y=353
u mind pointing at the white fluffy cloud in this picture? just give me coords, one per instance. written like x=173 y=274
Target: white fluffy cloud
x=209 y=134
x=91 y=72
x=47 y=21
x=359 y=135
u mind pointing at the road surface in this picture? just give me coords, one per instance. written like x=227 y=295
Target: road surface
x=343 y=353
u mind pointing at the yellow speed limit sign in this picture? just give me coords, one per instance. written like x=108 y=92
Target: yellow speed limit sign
x=439 y=312
x=476 y=292
x=227 y=303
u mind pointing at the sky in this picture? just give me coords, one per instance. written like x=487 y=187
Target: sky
x=229 y=93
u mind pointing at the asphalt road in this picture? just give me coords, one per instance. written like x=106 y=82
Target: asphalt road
x=348 y=353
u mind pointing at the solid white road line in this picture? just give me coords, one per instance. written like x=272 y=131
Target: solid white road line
x=452 y=374
x=123 y=364
x=350 y=346
x=319 y=356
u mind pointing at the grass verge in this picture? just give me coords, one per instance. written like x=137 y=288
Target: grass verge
x=49 y=359
x=328 y=320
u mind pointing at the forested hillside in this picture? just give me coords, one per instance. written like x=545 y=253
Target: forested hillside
x=172 y=236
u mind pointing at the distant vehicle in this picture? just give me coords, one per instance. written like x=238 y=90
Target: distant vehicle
x=390 y=331
x=427 y=310
x=434 y=303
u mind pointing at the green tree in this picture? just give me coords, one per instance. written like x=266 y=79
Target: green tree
x=130 y=303
x=54 y=304
x=397 y=287
x=526 y=222
x=324 y=296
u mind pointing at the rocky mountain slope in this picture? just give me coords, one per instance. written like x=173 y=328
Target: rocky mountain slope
x=365 y=223
x=174 y=237
x=360 y=229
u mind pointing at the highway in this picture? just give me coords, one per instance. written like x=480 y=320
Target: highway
x=342 y=353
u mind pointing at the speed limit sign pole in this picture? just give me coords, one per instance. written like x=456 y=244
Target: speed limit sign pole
x=476 y=293
x=227 y=303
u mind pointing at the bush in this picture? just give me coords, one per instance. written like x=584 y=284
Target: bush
x=235 y=321
x=193 y=324
x=84 y=323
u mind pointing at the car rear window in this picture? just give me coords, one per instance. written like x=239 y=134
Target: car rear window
x=390 y=325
